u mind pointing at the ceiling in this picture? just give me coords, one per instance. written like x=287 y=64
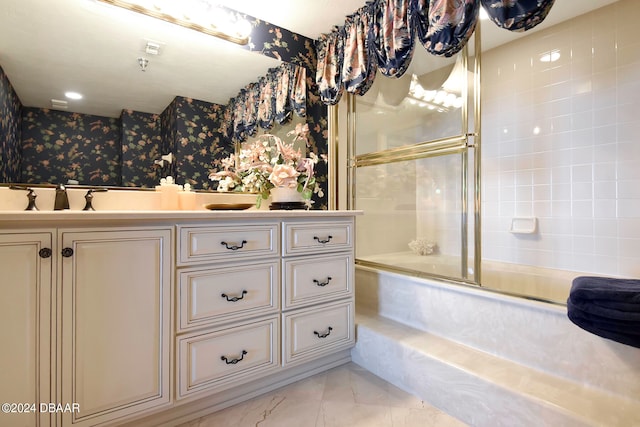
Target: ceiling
x=48 y=47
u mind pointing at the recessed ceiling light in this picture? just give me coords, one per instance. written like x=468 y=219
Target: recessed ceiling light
x=73 y=95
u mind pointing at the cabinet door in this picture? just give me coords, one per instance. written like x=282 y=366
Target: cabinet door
x=115 y=322
x=25 y=286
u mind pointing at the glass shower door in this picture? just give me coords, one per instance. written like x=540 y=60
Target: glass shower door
x=412 y=171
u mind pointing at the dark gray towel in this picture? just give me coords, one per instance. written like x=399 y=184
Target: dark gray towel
x=607 y=307
x=625 y=332
x=604 y=289
x=607 y=297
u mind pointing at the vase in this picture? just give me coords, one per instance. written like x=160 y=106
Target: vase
x=286 y=198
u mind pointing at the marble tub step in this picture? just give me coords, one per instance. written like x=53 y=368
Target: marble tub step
x=479 y=388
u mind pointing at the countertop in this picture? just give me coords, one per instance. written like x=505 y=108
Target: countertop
x=76 y=217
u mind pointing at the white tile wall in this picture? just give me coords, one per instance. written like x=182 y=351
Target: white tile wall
x=561 y=141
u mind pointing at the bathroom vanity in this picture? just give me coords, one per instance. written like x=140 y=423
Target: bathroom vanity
x=157 y=317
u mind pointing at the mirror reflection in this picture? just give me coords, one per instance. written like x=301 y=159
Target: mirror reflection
x=153 y=94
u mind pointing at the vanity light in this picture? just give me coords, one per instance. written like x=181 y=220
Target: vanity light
x=197 y=15
x=73 y=95
x=440 y=100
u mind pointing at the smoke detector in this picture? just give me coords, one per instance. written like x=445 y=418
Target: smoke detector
x=143 y=62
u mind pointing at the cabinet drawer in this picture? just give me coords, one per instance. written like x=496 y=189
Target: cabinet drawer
x=226 y=358
x=313 y=279
x=229 y=293
x=317 y=237
x=238 y=241
x=312 y=333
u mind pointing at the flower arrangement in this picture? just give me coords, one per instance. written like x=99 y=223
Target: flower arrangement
x=268 y=162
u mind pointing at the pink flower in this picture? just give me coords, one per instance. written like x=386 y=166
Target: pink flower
x=284 y=176
x=301 y=132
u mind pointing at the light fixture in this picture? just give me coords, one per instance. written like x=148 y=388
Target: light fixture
x=197 y=15
x=59 y=104
x=152 y=48
x=551 y=56
x=440 y=100
x=73 y=95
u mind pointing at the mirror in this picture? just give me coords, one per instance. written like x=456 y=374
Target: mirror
x=129 y=93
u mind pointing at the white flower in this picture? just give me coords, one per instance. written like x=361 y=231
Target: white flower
x=227 y=184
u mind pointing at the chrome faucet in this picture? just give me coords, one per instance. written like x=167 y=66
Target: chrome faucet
x=62 y=199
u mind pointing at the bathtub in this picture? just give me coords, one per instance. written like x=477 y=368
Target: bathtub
x=545 y=284
x=491 y=359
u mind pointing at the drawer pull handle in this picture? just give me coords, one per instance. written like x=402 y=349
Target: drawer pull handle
x=233 y=247
x=321 y=284
x=233 y=361
x=234 y=299
x=324 y=335
x=323 y=241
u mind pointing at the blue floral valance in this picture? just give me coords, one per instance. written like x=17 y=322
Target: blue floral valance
x=330 y=50
x=361 y=64
x=393 y=39
x=447 y=24
x=270 y=100
x=517 y=15
x=382 y=35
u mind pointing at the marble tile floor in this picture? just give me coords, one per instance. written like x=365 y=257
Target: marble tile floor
x=345 y=396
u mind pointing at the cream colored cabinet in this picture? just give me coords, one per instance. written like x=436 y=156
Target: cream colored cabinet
x=258 y=297
x=25 y=313
x=318 y=307
x=228 y=280
x=145 y=321
x=115 y=324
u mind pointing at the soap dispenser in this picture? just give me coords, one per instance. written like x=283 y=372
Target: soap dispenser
x=169 y=194
x=187 y=198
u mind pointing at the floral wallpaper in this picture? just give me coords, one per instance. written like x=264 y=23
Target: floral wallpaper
x=58 y=146
x=197 y=140
x=10 y=153
x=141 y=145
